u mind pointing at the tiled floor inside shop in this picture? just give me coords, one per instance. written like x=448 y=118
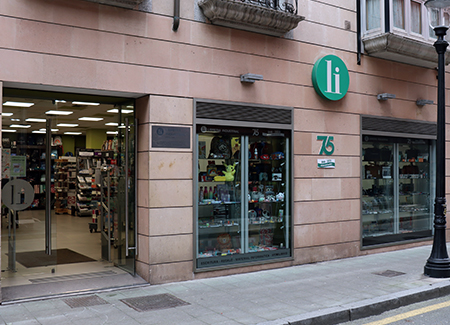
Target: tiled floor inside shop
x=70 y=232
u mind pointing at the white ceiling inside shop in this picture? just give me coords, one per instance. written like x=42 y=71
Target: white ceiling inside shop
x=40 y=107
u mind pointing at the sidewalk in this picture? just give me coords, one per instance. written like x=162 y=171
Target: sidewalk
x=322 y=293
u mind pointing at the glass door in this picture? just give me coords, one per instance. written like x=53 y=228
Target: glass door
x=74 y=156
x=122 y=183
x=29 y=193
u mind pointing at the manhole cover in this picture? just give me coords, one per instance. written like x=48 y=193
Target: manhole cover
x=154 y=302
x=389 y=273
x=86 y=301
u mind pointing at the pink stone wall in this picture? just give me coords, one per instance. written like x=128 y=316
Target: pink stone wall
x=81 y=45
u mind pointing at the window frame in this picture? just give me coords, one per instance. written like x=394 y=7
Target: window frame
x=424 y=34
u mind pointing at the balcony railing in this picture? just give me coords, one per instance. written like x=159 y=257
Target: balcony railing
x=272 y=17
x=280 y=5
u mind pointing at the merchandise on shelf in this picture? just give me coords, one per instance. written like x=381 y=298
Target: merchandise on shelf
x=88 y=194
x=65 y=181
x=242 y=201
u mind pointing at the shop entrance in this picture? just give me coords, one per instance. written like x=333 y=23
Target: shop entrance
x=68 y=193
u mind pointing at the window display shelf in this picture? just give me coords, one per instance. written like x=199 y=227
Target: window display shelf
x=242 y=196
x=216 y=202
x=396 y=189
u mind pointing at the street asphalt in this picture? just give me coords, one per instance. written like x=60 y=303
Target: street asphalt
x=328 y=293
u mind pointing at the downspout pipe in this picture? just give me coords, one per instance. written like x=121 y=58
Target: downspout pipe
x=176 y=15
x=358 y=32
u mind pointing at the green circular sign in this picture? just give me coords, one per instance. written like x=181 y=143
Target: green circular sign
x=330 y=77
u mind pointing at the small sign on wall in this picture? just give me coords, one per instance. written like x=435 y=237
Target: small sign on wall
x=174 y=137
x=326 y=163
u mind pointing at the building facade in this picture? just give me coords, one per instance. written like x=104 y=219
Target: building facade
x=227 y=136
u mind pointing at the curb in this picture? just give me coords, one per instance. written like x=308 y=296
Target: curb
x=366 y=308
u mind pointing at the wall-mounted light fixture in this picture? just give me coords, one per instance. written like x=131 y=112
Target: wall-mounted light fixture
x=250 y=77
x=385 y=96
x=423 y=102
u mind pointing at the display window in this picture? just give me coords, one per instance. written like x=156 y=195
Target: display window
x=397 y=189
x=243 y=200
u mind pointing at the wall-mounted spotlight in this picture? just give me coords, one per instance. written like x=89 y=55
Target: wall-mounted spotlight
x=423 y=102
x=250 y=77
x=385 y=96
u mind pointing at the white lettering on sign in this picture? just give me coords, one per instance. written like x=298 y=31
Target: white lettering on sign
x=337 y=79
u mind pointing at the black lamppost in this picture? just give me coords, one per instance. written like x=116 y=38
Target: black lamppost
x=438 y=264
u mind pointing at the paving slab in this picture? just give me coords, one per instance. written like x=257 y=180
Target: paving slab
x=322 y=293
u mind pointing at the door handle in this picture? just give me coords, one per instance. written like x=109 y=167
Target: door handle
x=127 y=131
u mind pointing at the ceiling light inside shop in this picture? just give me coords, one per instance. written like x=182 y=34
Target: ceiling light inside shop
x=38 y=131
x=93 y=119
x=15 y=119
x=67 y=125
x=51 y=112
x=57 y=101
x=124 y=111
x=17 y=104
x=53 y=130
x=85 y=103
x=32 y=119
x=9 y=131
x=7 y=114
x=112 y=132
x=112 y=124
x=22 y=126
x=73 y=133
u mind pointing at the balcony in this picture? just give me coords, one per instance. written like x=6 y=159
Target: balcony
x=399 y=48
x=129 y=4
x=398 y=31
x=271 y=17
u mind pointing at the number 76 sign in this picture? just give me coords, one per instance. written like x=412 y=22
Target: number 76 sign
x=327 y=148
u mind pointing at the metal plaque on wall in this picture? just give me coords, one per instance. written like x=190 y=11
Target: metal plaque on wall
x=171 y=137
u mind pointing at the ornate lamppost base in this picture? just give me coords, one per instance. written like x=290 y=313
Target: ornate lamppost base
x=437 y=268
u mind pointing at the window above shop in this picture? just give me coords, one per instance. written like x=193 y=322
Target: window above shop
x=276 y=17
x=398 y=30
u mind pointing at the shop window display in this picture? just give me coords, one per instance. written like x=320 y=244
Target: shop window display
x=243 y=195
x=396 y=190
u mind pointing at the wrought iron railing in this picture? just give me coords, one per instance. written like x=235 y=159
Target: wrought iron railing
x=289 y=6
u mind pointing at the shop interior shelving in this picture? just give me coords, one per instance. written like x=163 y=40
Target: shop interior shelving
x=88 y=194
x=65 y=181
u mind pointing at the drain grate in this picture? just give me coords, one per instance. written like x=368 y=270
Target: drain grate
x=87 y=301
x=389 y=273
x=154 y=302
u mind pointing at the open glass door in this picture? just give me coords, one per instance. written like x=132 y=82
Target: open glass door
x=28 y=199
x=125 y=224
x=73 y=166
